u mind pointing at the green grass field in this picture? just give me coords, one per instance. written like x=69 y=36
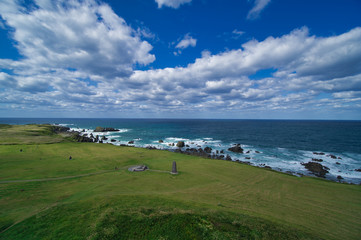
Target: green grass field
x=208 y=199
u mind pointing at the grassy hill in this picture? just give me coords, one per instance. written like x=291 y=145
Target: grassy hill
x=208 y=199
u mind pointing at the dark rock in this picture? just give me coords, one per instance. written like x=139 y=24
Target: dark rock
x=77 y=137
x=70 y=158
x=268 y=167
x=318 y=153
x=245 y=162
x=339 y=177
x=358 y=170
x=104 y=138
x=101 y=129
x=317 y=160
x=172 y=144
x=131 y=142
x=180 y=144
x=101 y=141
x=247 y=158
x=151 y=148
x=111 y=130
x=187 y=145
x=191 y=150
x=208 y=149
x=339 y=158
x=338 y=163
x=228 y=158
x=59 y=129
x=222 y=151
x=113 y=140
x=217 y=152
x=332 y=156
x=236 y=149
x=160 y=141
x=248 y=152
x=257 y=152
x=316 y=168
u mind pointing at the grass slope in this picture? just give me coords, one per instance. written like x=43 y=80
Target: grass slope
x=209 y=199
x=28 y=134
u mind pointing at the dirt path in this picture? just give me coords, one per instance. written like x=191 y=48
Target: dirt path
x=58 y=178
x=69 y=177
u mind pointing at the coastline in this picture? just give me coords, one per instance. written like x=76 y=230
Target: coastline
x=314 y=167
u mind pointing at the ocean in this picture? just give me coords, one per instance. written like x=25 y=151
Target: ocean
x=282 y=145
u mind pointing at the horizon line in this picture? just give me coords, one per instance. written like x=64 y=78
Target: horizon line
x=253 y=119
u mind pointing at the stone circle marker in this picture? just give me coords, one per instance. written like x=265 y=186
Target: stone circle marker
x=139 y=168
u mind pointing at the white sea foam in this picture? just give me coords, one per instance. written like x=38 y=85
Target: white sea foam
x=65 y=124
x=281 y=159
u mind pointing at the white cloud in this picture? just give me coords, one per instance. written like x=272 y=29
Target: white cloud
x=83 y=35
x=171 y=3
x=186 y=42
x=237 y=33
x=302 y=62
x=87 y=66
x=258 y=6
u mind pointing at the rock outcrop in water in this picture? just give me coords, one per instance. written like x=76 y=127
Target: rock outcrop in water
x=236 y=149
x=79 y=138
x=316 y=168
x=318 y=153
x=208 y=149
x=180 y=144
x=317 y=160
x=101 y=129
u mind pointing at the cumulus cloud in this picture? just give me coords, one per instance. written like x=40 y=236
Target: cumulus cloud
x=258 y=7
x=83 y=35
x=54 y=38
x=237 y=33
x=171 y=3
x=186 y=42
x=301 y=62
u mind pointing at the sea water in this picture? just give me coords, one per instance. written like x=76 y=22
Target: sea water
x=282 y=145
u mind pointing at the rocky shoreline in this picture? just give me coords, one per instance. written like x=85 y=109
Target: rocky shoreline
x=314 y=166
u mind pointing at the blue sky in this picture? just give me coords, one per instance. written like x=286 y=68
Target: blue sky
x=181 y=59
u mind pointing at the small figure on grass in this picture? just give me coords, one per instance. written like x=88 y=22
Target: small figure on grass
x=70 y=158
x=21 y=150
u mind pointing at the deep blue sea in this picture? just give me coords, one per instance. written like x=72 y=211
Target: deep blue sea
x=280 y=144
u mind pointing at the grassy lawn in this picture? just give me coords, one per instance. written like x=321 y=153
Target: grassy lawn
x=27 y=134
x=208 y=199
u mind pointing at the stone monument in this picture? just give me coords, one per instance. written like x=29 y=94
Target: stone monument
x=174 y=168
